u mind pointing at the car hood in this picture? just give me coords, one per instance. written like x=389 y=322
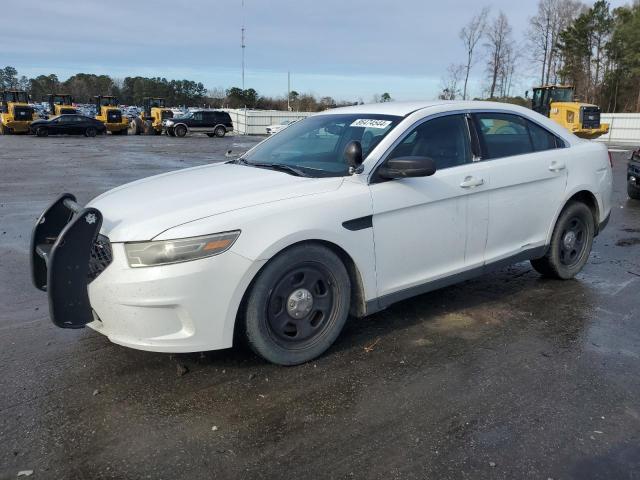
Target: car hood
x=143 y=209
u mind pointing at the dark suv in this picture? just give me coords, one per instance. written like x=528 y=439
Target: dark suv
x=633 y=175
x=212 y=122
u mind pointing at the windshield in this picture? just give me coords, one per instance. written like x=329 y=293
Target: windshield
x=316 y=144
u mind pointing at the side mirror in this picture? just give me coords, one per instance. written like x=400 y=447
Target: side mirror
x=407 y=167
x=526 y=94
x=353 y=154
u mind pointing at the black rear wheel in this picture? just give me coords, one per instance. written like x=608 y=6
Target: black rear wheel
x=297 y=305
x=220 y=132
x=90 y=132
x=180 y=131
x=571 y=243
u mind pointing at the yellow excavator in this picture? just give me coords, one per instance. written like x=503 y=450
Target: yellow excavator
x=108 y=112
x=150 y=119
x=558 y=103
x=15 y=112
x=60 y=104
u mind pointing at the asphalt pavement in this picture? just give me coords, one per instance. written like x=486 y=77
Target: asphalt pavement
x=509 y=376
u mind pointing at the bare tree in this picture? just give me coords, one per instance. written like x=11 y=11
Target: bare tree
x=552 y=17
x=470 y=35
x=498 y=38
x=451 y=82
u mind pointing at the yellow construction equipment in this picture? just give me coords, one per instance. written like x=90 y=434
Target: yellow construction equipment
x=108 y=112
x=150 y=120
x=60 y=104
x=558 y=103
x=15 y=112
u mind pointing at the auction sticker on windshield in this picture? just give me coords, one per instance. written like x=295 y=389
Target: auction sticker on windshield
x=371 y=123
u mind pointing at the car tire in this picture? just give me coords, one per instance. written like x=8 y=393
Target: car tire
x=42 y=132
x=220 y=132
x=180 y=131
x=633 y=190
x=90 y=132
x=297 y=305
x=571 y=243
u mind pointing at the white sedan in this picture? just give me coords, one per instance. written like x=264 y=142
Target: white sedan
x=273 y=129
x=345 y=212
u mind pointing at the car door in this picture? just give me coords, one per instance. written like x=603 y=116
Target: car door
x=528 y=171
x=430 y=227
x=196 y=122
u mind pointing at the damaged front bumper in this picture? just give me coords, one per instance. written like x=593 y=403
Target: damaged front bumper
x=67 y=253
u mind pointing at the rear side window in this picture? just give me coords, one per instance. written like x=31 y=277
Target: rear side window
x=543 y=139
x=505 y=135
x=502 y=135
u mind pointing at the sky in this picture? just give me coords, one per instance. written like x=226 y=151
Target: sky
x=346 y=49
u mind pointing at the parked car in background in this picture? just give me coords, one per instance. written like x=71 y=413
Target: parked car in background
x=273 y=129
x=72 y=124
x=280 y=245
x=215 y=123
x=633 y=175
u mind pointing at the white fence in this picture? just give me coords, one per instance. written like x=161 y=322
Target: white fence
x=623 y=128
x=255 y=122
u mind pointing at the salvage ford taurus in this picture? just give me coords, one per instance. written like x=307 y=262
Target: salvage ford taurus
x=345 y=212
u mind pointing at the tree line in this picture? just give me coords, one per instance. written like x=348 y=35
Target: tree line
x=132 y=90
x=594 y=48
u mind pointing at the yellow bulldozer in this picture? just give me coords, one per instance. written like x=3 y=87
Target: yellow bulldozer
x=150 y=119
x=60 y=104
x=559 y=104
x=108 y=112
x=15 y=112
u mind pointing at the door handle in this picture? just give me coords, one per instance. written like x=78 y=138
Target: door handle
x=470 y=182
x=557 y=166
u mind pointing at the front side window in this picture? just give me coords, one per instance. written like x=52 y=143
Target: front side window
x=444 y=139
x=316 y=144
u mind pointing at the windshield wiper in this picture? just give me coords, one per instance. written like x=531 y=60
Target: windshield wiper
x=272 y=166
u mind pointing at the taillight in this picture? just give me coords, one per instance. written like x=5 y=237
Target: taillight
x=610 y=160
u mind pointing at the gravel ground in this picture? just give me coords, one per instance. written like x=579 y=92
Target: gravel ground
x=507 y=376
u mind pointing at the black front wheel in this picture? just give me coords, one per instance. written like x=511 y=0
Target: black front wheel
x=297 y=305
x=42 y=132
x=633 y=190
x=571 y=243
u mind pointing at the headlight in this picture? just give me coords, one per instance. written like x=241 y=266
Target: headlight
x=164 y=252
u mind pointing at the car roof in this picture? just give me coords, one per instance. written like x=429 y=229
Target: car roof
x=405 y=108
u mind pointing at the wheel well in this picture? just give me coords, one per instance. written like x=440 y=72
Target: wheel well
x=358 y=303
x=589 y=199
